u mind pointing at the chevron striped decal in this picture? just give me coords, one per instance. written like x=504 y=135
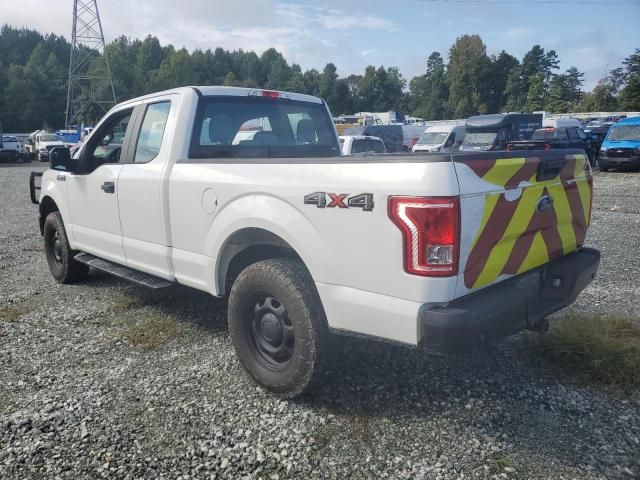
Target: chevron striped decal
x=514 y=236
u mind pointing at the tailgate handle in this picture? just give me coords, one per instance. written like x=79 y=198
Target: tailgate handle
x=550 y=168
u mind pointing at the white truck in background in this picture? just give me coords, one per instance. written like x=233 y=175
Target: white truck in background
x=355 y=144
x=419 y=249
x=40 y=143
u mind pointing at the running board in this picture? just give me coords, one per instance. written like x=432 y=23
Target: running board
x=136 y=276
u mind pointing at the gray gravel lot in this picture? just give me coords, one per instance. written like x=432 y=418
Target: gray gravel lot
x=108 y=380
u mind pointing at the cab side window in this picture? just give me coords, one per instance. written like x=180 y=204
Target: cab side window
x=152 y=131
x=358 y=146
x=450 y=140
x=106 y=144
x=573 y=135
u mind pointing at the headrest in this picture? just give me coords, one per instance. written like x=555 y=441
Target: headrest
x=306 y=131
x=221 y=129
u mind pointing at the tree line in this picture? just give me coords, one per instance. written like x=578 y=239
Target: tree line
x=34 y=67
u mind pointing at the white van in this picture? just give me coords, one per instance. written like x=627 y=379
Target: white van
x=562 y=122
x=443 y=137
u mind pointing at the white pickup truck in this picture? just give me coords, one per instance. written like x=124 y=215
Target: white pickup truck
x=40 y=143
x=441 y=251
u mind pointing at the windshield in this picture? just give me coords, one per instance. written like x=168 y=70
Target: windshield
x=479 y=138
x=250 y=127
x=432 y=138
x=624 y=132
x=49 y=138
x=10 y=139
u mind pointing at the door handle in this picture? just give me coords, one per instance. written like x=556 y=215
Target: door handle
x=108 y=187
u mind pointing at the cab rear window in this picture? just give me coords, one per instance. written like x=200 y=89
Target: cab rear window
x=256 y=127
x=550 y=134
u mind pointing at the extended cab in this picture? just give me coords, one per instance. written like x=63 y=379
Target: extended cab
x=442 y=251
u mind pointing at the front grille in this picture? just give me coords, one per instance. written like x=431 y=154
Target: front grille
x=620 y=152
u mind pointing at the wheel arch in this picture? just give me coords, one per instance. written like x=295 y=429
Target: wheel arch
x=245 y=247
x=47 y=206
x=268 y=224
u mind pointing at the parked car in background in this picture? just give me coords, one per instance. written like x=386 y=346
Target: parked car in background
x=494 y=132
x=391 y=135
x=410 y=135
x=353 y=144
x=11 y=148
x=596 y=136
x=444 y=137
x=621 y=147
x=556 y=133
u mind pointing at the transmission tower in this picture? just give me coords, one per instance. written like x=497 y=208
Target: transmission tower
x=90 y=82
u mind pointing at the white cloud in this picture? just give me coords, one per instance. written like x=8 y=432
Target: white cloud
x=517 y=33
x=305 y=33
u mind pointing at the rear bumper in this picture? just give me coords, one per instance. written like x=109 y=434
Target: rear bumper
x=508 y=307
x=612 y=162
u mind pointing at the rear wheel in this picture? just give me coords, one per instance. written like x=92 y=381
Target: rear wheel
x=604 y=169
x=278 y=326
x=63 y=267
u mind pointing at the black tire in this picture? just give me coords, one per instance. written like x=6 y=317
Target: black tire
x=41 y=158
x=604 y=169
x=62 y=265
x=278 y=326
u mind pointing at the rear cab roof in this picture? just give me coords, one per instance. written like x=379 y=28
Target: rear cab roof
x=498 y=120
x=628 y=121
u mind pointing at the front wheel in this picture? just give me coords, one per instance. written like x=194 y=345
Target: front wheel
x=278 y=326
x=63 y=267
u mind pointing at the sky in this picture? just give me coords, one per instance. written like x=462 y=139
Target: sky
x=593 y=35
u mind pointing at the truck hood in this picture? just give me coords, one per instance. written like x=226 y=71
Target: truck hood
x=621 y=144
x=51 y=144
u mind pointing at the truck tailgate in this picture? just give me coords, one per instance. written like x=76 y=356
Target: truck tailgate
x=519 y=211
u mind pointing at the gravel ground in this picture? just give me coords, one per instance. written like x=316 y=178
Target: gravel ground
x=108 y=380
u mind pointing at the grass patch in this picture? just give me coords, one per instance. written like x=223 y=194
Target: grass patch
x=151 y=331
x=598 y=350
x=502 y=461
x=36 y=246
x=124 y=303
x=12 y=313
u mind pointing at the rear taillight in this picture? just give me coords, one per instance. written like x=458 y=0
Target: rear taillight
x=430 y=229
x=509 y=147
x=547 y=146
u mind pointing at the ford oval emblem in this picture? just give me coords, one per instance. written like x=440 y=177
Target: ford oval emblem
x=545 y=203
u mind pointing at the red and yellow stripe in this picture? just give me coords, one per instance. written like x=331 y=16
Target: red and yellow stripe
x=514 y=236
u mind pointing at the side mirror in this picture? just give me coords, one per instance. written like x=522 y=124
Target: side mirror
x=60 y=159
